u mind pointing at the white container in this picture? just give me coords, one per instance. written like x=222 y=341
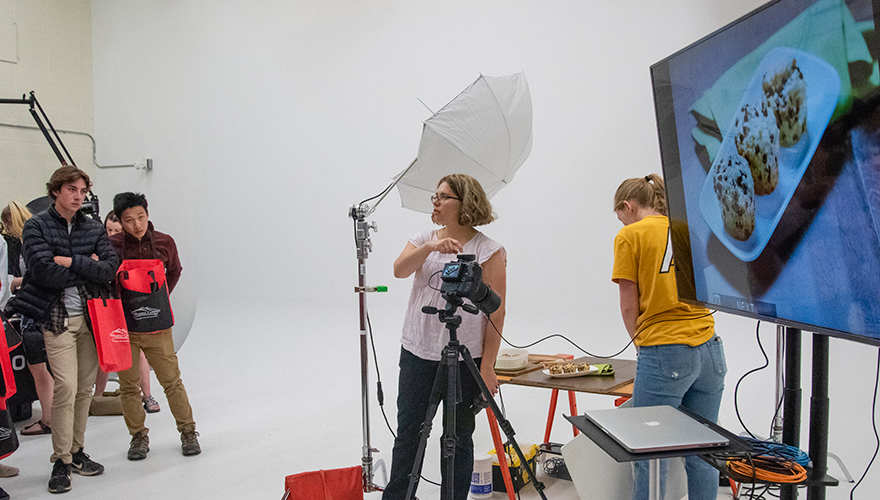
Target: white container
x=511 y=359
x=481 y=479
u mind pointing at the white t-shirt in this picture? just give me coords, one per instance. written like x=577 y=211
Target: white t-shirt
x=5 y=277
x=72 y=301
x=423 y=334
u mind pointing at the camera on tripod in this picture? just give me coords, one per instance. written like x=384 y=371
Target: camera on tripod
x=464 y=278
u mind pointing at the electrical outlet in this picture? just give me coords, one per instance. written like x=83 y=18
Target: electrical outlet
x=145 y=164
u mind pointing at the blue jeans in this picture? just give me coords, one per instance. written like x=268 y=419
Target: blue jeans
x=675 y=375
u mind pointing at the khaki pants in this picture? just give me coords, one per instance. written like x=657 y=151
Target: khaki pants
x=159 y=350
x=74 y=362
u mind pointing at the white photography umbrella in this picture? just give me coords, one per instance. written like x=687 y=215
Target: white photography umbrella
x=485 y=132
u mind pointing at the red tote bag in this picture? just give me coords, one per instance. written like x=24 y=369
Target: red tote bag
x=111 y=334
x=332 y=484
x=144 y=294
x=8 y=436
x=10 y=341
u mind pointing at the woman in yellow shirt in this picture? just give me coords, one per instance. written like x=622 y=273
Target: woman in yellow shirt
x=680 y=360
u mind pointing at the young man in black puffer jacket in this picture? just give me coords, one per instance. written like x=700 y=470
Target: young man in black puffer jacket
x=69 y=260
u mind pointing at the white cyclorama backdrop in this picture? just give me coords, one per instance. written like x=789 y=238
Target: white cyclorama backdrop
x=266 y=119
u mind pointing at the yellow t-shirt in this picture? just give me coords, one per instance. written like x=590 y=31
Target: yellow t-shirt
x=643 y=255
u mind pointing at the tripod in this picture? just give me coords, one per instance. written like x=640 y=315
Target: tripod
x=448 y=371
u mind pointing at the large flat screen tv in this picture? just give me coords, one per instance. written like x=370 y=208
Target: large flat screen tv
x=770 y=145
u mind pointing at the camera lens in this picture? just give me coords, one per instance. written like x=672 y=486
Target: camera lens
x=485 y=299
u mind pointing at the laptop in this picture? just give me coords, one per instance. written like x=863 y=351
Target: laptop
x=655 y=428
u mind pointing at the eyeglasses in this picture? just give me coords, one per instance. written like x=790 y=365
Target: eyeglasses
x=440 y=198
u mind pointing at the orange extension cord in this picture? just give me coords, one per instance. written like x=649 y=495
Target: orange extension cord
x=767 y=469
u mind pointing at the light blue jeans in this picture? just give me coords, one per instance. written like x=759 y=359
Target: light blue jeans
x=675 y=375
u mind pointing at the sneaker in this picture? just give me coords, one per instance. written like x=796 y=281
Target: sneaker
x=189 y=443
x=151 y=405
x=59 y=482
x=85 y=466
x=140 y=445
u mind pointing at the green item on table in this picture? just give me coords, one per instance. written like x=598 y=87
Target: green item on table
x=602 y=369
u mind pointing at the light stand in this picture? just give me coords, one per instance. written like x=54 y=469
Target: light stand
x=362 y=242
x=448 y=370
x=36 y=112
x=90 y=205
x=359 y=214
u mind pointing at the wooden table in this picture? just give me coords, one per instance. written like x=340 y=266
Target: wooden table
x=620 y=384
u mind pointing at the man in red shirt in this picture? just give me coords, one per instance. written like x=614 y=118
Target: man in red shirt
x=139 y=240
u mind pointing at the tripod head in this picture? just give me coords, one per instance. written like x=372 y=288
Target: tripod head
x=447 y=316
x=452 y=303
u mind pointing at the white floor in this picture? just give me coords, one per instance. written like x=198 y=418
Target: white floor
x=274 y=392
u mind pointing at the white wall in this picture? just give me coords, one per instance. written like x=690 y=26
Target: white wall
x=267 y=119
x=45 y=47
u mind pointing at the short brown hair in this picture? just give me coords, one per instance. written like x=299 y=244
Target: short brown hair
x=475 y=207
x=648 y=191
x=67 y=174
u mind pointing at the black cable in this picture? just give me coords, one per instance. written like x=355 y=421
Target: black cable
x=874 y=426
x=380 y=394
x=588 y=353
x=380 y=194
x=746 y=374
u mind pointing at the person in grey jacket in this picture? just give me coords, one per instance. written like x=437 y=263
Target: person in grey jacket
x=69 y=260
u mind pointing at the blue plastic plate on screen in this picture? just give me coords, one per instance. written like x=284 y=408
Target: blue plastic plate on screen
x=823 y=89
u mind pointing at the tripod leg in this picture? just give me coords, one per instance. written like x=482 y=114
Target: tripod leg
x=453 y=397
x=502 y=422
x=425 y=432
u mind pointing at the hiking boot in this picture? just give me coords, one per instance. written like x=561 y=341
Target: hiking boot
x=59 y=482
x=151 y=405
x=140 y=445
x=189 y=443
x=85 y=466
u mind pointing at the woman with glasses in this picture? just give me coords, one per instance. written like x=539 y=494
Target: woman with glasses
x=460 y=204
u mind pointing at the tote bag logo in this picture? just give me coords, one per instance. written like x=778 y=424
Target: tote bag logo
x=145 y=312
x=5 y=433
x=119 y=335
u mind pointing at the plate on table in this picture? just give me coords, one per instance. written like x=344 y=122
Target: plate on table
x=592 y=369
x=823 y=90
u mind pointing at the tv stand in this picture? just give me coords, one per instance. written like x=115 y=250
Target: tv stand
x=819 y=405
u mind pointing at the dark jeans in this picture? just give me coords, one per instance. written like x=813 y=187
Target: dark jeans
x=414 y=392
